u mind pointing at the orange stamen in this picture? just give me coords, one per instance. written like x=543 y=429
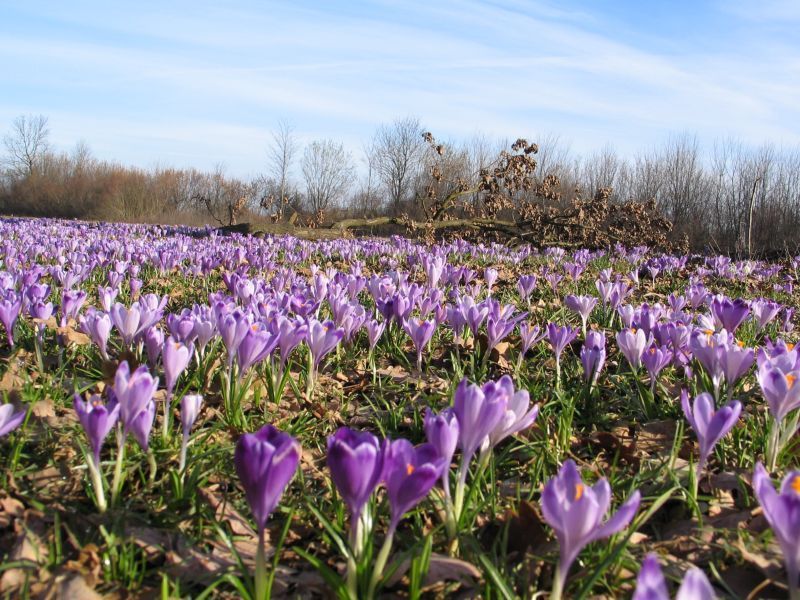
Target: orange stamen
x=790 y=379
x=409 y=469
x=578 y=491
x=795 y=485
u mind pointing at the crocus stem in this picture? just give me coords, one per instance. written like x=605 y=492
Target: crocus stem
x=151 y=461
x=380 y=562
x=355 y=553
x=167 y=415
x=558 y=583
x=772 y=445
x=310 y=378
x=261 y=568
x=184 y=444
x=558 y=373
x=97 y=482
x=117 y=481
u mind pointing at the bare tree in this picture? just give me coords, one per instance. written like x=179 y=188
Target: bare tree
x=280 y=154
x=399 y=150
x=26 y=144
x=328 y=172
x=224 y=198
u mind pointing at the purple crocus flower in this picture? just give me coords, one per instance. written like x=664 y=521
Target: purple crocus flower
x=526 y=284
x=97 y=419
x=519 y=414
x=355 y=460
x=420 y=333
x=107 y=296
x=256 y=345
x=127 y=321
x=142 y=424
x=265 y=461
x=735 y=361
x=593 y=356
x=654 y=360
x=779 y=388
x=498 y=329
x=782 y=511
x=409 y=474
x=71 y=303
x=651 y=585
x=709 y=425
x=575 y=511
x=442 y=431
x=374 y=331
x=583 y=306
x=10 y=420
x=729 y=314
x=764 y=311
x=175 y=356
x=153 y=338
x=133 y=391
x=632 y=343
x=478 y=410
x=190 y=408
x=290 y=333
x=560 y=338
x=10 y=307
x=97 y=325
x=529 y=335
x=232 y=329
x=322 y=338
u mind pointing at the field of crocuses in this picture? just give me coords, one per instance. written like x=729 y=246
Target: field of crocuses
x=190 y=415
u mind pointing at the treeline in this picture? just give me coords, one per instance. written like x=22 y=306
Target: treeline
x=729 y=198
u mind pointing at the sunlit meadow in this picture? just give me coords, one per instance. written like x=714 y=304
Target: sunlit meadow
x=194 y=415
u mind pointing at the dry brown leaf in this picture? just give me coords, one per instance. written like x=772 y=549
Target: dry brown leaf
x=71 y=587
x=29 y=548
x=441 y=568
x=10 y=509
x=72 y=337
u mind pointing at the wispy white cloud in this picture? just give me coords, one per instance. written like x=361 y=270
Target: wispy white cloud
x=188 y=86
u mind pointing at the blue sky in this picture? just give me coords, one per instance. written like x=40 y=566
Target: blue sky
x=200 y=83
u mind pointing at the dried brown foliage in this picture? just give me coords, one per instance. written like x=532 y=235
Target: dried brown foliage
x=515 y=205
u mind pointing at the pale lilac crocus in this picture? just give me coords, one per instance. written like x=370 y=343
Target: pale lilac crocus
x=10 y=419
x=559 y=338
x=98 y=420
x=190 y=409
x=519 y=414
x=410 y=472
x=256 y=345
x=709 y=425
x=764 y=311
x=265 y=462
x=10 y=307
x=576 y=511
x=782 y=511
x=322 y=338
x=127 y=321
x=729 y=314
x=442 y=431
x=153 y=339
x=651 y=585
x=593 y=356
x=97 y=325
x=420 y=332
x=583 y=306
x=632 y=343
x=175 y=356
x=654 y=359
